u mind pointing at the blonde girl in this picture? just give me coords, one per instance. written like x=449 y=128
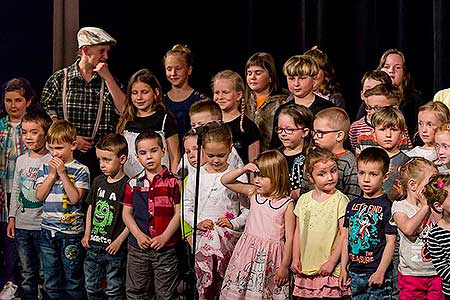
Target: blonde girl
x=417 y=278
x=318 y=233
x=144 y=110
x=228 y=89
x=259 y=267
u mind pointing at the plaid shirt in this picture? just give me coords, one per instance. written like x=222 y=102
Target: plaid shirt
x=82 y=101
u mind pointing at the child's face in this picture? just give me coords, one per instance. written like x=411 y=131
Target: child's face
x=177 y=72
x=226 y=95
x=258 y=79
x=263 y=185
x=394 y=68
x=201 y=118
x=110 y=163
x=15 y=105
x=142 y=97
x=216 y=155
x=442 y=139
x=387 y=137
x=190 y=147
x=150 y=154
x=375 y=102
x=325 y=175
x=294 y=138
x=371 y=178
x=62 y=150
x=367 y=85
x=428 y=123
x=33 y=135
x=325 y=135
x=300 y=86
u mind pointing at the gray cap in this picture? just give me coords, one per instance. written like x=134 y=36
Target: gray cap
x=88 y=36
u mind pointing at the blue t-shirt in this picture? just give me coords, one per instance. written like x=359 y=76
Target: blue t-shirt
x=367 y=221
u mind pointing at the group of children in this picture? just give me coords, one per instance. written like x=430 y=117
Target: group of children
x=280 y=206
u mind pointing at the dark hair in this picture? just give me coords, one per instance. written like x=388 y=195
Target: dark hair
x=392 y=93
x=221 y=134
x=148 y=135
x=22 y=86
x=377 y=75
x=329 y=84
x=375 y=154
x=113 y=142
x=38 y=116
x=206 y=105
x=302 y=116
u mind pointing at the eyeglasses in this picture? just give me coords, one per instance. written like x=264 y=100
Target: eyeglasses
x=320 y=133
x=287 y=130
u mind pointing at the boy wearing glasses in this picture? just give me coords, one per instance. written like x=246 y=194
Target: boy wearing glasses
x=331 y=127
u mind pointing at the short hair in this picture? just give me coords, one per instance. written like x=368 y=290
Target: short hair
x=273 y=164
x=148 y=135
x=24 y=88
x=300 y=65
x=439 y=109
x=61 y=131
x=40 y=117
x=113 y=142
x=337 y=117
x=221 y=134
x=414 y=169
x=316 y=155
x=375 y=155
x=392 y=93
x=434 y=190
x=377 y=75
x=388 y=117
x=206 y=105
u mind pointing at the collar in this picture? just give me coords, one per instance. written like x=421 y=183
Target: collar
x=164 y=174
x=74 y=71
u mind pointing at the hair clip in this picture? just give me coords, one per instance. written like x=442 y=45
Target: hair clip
x=440 y=184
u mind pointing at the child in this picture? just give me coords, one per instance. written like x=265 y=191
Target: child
x=389 y=124
x=105 y=231
x=259 y=267
x=318 y=234
x=369 y=235
x=417 y=278
x=431 y=116
x=220 y=215
x=152 y=214
x=442 y=139
x=293 y=128
x=144 y=110
x=438 y=196
x=263 y=94
x=228 y=89
x=331 y=127
x=62 y=184
x=25 y=214
x=178 y=65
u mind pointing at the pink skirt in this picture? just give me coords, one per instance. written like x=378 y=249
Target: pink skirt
x=317 y=286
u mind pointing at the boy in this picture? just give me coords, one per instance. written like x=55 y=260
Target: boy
x=25 y=215
x=331 y=127
x=62 y=184
x=152 y=214
x=105 y=231
x=369 y=236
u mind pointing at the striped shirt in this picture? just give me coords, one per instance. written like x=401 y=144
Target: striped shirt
x=439 y=243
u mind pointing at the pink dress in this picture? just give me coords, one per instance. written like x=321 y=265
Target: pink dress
x=258 y=253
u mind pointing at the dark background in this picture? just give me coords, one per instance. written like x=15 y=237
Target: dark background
x=223 y=34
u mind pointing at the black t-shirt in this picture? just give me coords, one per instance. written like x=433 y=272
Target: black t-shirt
x=154 y=122
x=241 y=140
x=107 y=203
x=367 y=221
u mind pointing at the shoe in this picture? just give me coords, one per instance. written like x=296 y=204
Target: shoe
x=9 y=291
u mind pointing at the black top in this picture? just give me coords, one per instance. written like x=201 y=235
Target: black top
x=154 y=122
x=241 y=140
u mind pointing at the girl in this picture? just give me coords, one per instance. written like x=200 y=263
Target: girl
x=259 y=267
x=144 y=110
x=178 y=67
x=417 y=278
x=220 y=217
x=318 y=233
x=326 y=86
x=431 y=116
x=437 y=192
x=294 y=126
x=442 y=145
x=263 y=94
x=228 y=88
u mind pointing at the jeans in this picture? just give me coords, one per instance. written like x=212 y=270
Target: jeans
x=27 y=242
x=362 y=291
x=97 y=265
x=62 y=261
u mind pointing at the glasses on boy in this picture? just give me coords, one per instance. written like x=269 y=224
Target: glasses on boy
x=319 y=133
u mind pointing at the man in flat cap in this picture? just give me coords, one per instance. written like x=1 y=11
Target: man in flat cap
x=86 y=94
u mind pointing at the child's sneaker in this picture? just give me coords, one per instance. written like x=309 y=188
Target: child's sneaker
x=9 y=291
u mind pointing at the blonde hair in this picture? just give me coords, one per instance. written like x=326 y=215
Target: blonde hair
x=61 y=131
x=444 y=128
x=336 y=117
x=300 y=65
x=180 y=50
x=272 y=164
x=414 y=169
x=313 y=156
x=206 y=105
x=439 y=109
x=388 y=117
x=434 y=190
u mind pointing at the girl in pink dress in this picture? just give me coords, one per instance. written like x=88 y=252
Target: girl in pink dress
x=259 y=267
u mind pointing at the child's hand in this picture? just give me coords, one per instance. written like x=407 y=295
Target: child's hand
x=114 y=247
x=326 y=268
x=52 y=169
x=159 y=241
x=296 y=266
x=224 y=222
x=11 y=229
x=206 y=225
x=85 y=241
x=343 y=278
x=281 y=276
x=59 y=165
x=376 y=279
x=250 y=168
x=144 y=241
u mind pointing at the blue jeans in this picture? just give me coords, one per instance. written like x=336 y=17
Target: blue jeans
x=62 y=261
x=27 y=242
x=362 y=291
x=97 y=265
